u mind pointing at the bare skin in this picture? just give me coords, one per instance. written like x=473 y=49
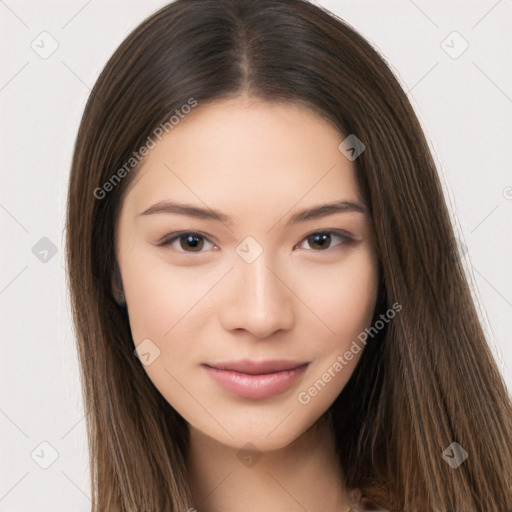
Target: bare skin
x=299 y=299
x=275 y=482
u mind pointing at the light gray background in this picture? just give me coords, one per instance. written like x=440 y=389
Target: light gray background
x=464 y=103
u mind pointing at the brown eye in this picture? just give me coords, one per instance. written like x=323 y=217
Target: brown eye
x=188 y=242
x=319 y=241
x=196 y=243
x=322 y=240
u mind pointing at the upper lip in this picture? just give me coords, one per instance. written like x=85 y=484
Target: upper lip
x=253 y=367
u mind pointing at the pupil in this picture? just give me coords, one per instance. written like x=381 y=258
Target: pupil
x=192 y=242
x=322 y=237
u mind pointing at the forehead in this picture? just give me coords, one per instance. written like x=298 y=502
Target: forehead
x=246 y=156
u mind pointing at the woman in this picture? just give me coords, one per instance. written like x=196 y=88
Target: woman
x=270 y=309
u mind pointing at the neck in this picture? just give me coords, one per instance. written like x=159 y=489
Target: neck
x=304 y=475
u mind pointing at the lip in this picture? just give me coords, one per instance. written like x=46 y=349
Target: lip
x=256 y=379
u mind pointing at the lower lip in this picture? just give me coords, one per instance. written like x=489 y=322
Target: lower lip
x=256 y=386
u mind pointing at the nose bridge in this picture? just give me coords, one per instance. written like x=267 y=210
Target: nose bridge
x=261 y=284
x=260 y=301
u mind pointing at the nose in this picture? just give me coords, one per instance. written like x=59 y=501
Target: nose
x=258 y=299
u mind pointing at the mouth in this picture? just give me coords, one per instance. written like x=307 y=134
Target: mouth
x=256 y=379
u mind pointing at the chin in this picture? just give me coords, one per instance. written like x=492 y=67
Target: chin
x=265 y=432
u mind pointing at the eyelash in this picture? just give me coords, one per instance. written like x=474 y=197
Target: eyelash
x=182 y=234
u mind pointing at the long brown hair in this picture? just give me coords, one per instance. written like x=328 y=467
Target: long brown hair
x=427 y=380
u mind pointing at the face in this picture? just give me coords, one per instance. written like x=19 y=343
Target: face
x=242 y=302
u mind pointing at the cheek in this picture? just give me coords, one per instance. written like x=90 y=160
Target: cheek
x=152 y=303
x=343 y=299
x=154 y=293
x=346 y=305
x=166 y=305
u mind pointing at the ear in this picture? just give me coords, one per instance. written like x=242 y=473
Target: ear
x=117 y=286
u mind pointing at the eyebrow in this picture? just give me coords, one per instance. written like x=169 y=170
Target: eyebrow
x=313 y=213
